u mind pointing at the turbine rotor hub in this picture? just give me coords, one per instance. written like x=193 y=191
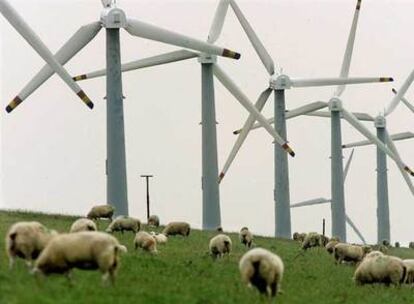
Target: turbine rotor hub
x=335 y=104
x=280 y=82
x=380 y=121
x=113 y=17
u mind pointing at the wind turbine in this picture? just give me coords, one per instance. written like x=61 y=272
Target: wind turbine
x=322 y=200
x=279 y=83
x=383 y=217
x=112 y=19
x=210 y=188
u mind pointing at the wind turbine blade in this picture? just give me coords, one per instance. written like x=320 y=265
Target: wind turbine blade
x=316 y=201
x=254 y=39
x=394 y=137
x=404 y=173
x=356 y=230
x=245 y=102
x=360 y=116
x=30 y=36
x=77 y=42
x=245 y=131
x=148 y=31
x=364 y=131
x=144 y=63
x=346 y=63
x=218 y=21
x=318 y=82
x=348 y=164
x=401 y=92
x=405 y=101
x=293 y=113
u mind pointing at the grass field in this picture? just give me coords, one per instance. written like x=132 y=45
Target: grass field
x=184 y=273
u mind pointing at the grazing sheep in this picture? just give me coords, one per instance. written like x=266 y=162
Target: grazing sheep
x=411 y=245
x=102 y=211
x=220 y=245
x=380 y=247
x=88 y=250
x=219 y=229
x=300 y=237
x=373 y=253
x=397 y=244
x=262 y=269
x=331 y=246
x=175 y=228
x=159 y=237
x=83 y=224
x=145 y=241
x=409 y=264
x=246 y=237
x=386 y=243
x=350 y=253
x=314 y=239
x=26 y=240
x=122 y=223
x=380 y=269
x=153 y=220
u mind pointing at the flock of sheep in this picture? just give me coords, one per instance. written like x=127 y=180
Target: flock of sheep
x=84 y=247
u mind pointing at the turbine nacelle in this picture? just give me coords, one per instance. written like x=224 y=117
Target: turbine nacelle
x=113 y=17
x=207 y=58
x=107 y=3
x=335 y=104
x=280 y=82
x=380 y=121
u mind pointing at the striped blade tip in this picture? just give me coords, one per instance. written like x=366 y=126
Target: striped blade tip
x=13 y=104
x=80 y=77
x=358 y=4
x=343 y=146
x=406 y=168
x=221 y=176
x=236 y=132
x=386 y=79
x=288 y=150
x=230 y=54
x=85 y=99
x=394 y=91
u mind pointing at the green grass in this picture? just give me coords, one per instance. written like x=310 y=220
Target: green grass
x=184 y=273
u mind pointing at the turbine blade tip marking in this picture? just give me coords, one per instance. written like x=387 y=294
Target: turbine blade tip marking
x=231 y=54
x=386 y=79
x=394 y=91
x=406 y=168
x=85 y=99
x=221 y=176
x=13 y=104
x=288 y=150
x=236 y=132
x=80 y=77
x=358 y=4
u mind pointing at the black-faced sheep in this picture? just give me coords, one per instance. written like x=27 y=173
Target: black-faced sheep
x=262 y=269
x=83 y=224
x=246 y=237
x=124 y=223
x=102 y=211
x=219 y=246
x=174 y=228
x=88 y=250
x=145 y=241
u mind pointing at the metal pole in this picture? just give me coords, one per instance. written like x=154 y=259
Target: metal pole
x=281 y=191
x=116 y=164
x=148 y=198
x=337 y=178
x=383 y=212
x=323 y=227
x=209 y=180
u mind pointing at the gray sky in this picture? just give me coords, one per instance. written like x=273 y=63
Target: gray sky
x=53 y=147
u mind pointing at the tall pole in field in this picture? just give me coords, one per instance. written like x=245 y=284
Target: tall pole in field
x=148 y=198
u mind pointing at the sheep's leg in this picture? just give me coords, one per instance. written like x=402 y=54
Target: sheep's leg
x=12 y=260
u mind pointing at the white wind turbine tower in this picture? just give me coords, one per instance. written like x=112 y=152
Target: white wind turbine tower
x=210 y=188
x=279 y=83
x=383 y=217
x=112 y=19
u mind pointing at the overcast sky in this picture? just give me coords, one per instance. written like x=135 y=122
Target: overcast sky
x=53 y=147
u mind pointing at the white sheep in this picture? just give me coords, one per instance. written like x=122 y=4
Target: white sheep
x=331 y=246
x=246 y=237
x=124 y=223
x=101 y=211
x=145 y=241
x=314 y=239
x=373 y=253
x=88 y=250
x=262 y=269
x=380 y=269
x=26 y=240
x=175 y=228
x=300 y=237
x=220 y=245
x=83 y=224
x=154 y=220
x=160 y=238
x=350 y=253
x=409 y=264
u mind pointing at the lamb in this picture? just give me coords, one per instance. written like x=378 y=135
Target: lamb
x=262 y=269
x=350 y=253
x=246 y=237
x=102 y=211
x=159 y=237
x=380 y=269
x=314 y=239
x=300 y=237
x=145 y=241
x=83 y=224
x=88 y=250
x=26 y=240
x=175 y=228
x=122 y=223
x=219 y=246
x=153 y=220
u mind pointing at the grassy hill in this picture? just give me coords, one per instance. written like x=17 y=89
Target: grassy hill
x=184 y=273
